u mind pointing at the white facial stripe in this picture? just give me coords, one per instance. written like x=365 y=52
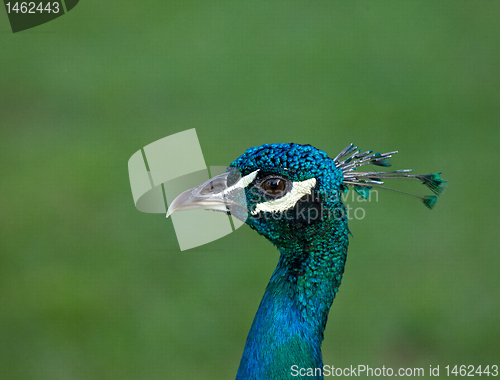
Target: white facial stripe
x=299 y=189
x=243 y=182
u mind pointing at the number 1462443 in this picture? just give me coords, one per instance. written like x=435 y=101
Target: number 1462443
x=32 y=7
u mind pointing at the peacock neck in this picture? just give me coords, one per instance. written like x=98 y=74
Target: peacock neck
x=288 y=327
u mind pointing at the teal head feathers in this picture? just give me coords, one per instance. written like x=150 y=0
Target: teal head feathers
x=291 y=194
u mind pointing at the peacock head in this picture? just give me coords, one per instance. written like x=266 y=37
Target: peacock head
x=290 y=192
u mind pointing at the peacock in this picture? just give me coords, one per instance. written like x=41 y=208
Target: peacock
x=292 y=195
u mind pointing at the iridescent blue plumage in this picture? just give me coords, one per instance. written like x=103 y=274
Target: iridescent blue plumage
x=288 y=328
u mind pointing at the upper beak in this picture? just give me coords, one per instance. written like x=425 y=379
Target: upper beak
x=213 y=194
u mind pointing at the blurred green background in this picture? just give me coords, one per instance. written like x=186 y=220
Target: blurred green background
x=91 y=288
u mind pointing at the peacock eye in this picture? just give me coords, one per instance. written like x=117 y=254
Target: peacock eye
x=273 y=186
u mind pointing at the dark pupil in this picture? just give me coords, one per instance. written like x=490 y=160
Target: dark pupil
x=274 y=186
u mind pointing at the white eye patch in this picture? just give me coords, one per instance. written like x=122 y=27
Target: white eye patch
x=299 y=189
x=243 y=182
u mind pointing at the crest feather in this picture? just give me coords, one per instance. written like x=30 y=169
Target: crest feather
x=351 y=158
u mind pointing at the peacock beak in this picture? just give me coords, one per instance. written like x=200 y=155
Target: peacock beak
x=213 y=194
